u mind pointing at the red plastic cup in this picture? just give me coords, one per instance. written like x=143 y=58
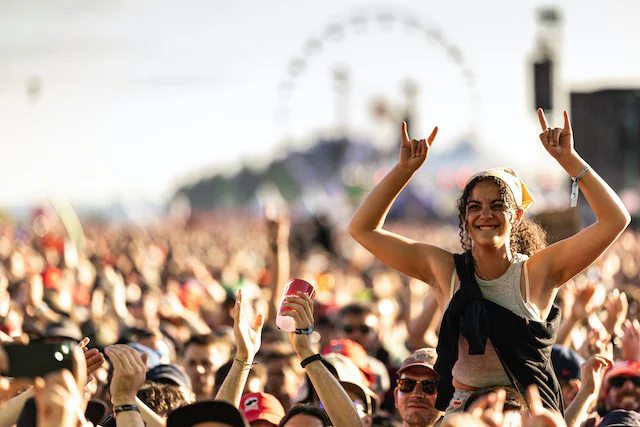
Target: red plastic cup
x=292 y=287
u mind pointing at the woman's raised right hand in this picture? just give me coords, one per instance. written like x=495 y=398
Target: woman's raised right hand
x=414 y=152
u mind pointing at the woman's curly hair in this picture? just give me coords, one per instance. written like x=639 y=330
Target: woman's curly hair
x=527 y=238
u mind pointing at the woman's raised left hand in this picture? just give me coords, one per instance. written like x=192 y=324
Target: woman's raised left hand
x=557 y=141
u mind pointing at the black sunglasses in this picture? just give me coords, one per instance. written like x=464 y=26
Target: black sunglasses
x=407 y=385
x=364 y=329
x=618 y=382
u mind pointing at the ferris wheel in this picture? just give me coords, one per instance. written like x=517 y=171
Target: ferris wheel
x=349 y=46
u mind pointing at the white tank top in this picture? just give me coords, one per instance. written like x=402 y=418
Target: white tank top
x=485 y=370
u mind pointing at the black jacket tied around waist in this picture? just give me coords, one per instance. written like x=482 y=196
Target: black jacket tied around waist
x=524 y=346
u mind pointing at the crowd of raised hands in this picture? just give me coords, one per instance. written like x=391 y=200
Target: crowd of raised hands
x=62 y=396
x=162 y=287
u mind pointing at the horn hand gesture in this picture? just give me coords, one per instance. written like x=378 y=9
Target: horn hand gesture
x=557 y=141
x=414 y=152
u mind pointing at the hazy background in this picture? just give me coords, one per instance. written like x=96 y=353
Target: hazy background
x=126 y=101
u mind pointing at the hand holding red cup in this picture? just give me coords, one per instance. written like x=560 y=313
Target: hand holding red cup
x=292 y=287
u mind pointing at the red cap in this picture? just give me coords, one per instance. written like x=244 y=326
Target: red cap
x=623 y=368
x=262 y=406
x=51 y=278
x=355 y=352
x=192 y=294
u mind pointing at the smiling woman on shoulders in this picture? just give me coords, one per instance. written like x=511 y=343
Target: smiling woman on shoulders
x=498 y=294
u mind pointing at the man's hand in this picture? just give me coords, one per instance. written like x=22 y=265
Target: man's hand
x=129 y=369
x=300 y=308
x=631 y=340
x=94 y=360
x=414 y=152
x=278 y=225
x=616 y=306
x=583 y=304
x=247 y=338
x=93 y=357
x=592 y=372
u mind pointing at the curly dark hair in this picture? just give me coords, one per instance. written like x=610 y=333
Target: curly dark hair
x=527 y=238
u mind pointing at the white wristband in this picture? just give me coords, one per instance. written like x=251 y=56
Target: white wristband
x=574 y=187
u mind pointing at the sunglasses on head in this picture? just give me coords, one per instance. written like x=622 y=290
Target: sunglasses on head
x=407 y=385
x=618 y=382
x=364 y=329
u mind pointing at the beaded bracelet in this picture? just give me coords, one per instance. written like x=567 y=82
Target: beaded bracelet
x=243 y=364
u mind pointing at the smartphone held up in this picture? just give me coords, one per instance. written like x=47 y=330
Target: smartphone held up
x=38 y=358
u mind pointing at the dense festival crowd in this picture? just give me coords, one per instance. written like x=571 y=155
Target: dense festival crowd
x=165 y=300
x=175 y=324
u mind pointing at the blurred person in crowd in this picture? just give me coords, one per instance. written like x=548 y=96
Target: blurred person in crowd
x=306 y=415
x=203 y=356
x=326 y=330
x=63 y=330
x=285 y=378
x=591 y=374
x=164 y=398
x=374 y=373
x=171 y=374
x=145 y=310
x=356 y=353
x=415 y=392
x=621 y=418
x=621 y=387
x=364 y=399
x=591 y=324
x=505 y=265
x=337 y=404
x=358 y=323
x=566 y=366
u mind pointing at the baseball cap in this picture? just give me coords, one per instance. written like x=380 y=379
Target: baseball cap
x=345 y=369
x=262 y=406
x=153 y=356
x=364 y=393
x=63 y=329
x=425 y=357
x=623 y=368
x=353 y=351
x=620 y=418
x=202 y=412
x=566 y=362
x=169 y=374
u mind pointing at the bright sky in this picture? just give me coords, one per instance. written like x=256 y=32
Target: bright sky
x=138 y=96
